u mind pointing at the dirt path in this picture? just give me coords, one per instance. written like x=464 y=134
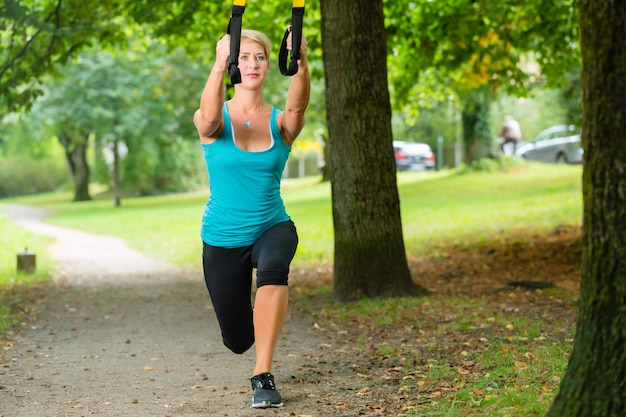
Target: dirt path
x=121 y=334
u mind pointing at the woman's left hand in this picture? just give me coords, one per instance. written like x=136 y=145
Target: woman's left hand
x=303 y=46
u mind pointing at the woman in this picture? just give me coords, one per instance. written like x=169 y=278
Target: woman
x=246 y=142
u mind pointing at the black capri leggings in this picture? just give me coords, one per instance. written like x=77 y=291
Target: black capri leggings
x=228 y=277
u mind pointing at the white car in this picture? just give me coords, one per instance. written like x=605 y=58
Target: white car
x=413 y=156
x=558 y=144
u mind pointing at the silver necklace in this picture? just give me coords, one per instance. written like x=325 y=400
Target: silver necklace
x=246 y=120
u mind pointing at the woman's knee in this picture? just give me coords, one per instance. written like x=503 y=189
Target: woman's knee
x=239 y=346
x=272 y=277
x=273 y=254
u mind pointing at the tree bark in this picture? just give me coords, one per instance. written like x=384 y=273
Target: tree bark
x=76 y=156
x=595 y=380
x=370 y=256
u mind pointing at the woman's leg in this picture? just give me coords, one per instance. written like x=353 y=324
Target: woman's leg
x=270 y=308
x=228 y=277
x=272 y=255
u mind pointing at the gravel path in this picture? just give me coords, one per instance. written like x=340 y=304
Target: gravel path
x=120 y=334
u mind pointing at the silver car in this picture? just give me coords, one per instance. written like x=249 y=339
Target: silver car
x=559 y=144
x=413 y=156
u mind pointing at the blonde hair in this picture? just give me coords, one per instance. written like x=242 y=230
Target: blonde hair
x=258 y=37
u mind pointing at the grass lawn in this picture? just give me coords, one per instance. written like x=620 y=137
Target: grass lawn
x=437 y=209
x=458 y=352
x=14 y=240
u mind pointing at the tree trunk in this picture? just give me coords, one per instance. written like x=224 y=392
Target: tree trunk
x=76 y=156
x=370 y=257
x=476 y=127
x=117 y=181
x=326 y=169
x=595 y=380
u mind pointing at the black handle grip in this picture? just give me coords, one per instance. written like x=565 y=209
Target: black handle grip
x=297 y=18
x=234 y=30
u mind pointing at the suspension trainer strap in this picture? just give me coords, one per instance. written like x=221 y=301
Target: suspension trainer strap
x=297 y=17
x=234 y=30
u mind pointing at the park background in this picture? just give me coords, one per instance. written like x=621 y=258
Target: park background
x=539 y=96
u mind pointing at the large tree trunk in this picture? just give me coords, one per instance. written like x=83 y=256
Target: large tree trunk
x=595 y=380
x=370 y=257
x=76 y=156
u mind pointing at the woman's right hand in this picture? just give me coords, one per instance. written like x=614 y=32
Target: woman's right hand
x=222 y=51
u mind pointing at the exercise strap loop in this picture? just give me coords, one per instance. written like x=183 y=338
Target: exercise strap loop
x=297 y=18
x=234 y=30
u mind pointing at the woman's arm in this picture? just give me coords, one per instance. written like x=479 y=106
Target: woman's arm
x=291 y=120
x=208 y=118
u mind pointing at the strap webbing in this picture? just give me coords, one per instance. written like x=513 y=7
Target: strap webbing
x=297 y=17
x=234 y=30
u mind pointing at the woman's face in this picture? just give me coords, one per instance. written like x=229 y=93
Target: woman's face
x=253 y=62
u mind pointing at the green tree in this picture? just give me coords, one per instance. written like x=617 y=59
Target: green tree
x=163 y=153
x=595 y=379
x=474 y=47
x=370 y=257
x=36 y=35
x=74 y=109
x=571 y=98
x=476 y=127
x=134 y=108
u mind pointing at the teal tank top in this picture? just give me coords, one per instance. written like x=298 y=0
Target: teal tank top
x=245 y=199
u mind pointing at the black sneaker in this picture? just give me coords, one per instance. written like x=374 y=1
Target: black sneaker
x=265 y=394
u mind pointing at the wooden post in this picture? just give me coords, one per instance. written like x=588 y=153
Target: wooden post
x=26 y=261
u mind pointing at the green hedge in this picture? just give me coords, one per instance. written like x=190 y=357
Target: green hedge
x=23 y=175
